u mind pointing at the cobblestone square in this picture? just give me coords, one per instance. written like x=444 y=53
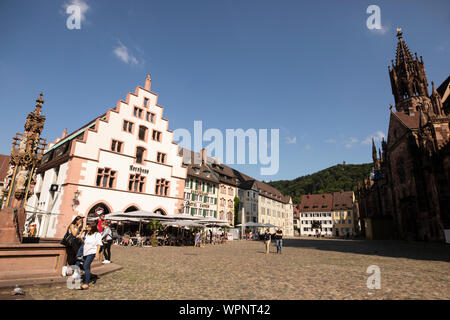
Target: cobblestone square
x=308 y=269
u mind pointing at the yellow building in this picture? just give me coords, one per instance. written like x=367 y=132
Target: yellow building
x=344 y=213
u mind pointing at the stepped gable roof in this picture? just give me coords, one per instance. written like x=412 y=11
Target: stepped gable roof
x=410 y=121
x=316 y=202
x=4 y=166
x=343 y=200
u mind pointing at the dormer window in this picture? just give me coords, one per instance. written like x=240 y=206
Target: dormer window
x=196 y=170
x=146 y=102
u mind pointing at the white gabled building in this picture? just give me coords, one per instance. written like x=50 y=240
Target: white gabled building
x=316 y=207
x=121 y=161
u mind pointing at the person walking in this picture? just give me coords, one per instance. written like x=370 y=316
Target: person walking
x=91 y=250
x=107 y=241
x=279 y=239
x=267 y=240
x=197 y=239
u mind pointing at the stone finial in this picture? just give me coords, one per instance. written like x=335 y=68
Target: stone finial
x=148 y=82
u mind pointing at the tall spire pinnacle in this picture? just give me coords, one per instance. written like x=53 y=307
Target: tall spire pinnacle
x=39 y=101
x=374 y=151
x=403 y=53
x=408 y=79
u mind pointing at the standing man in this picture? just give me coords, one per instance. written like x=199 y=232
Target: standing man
x=267 y=240
x=279 y=239
x=100 y=223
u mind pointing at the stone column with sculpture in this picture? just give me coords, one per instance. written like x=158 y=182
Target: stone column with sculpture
x=26 y=153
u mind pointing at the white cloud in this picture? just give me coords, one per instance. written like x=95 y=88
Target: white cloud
x=377 y=136
x=350 y=142
x=308 y=147
x=291 y=140
x=331 y=140
x=123 y=54
x=84 y=7
x=383 y=30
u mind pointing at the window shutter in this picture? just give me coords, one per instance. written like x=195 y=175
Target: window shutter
x=192 y=211
x=215 y=200
x=215 y=214
x=204 y=212
x=193 y=197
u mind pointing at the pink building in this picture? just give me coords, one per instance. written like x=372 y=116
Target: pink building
x=124 y=160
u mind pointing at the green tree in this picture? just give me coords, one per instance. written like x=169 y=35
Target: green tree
x=236 y=210
x=316 y=225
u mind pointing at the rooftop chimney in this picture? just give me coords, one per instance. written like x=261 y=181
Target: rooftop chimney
x=204 y=156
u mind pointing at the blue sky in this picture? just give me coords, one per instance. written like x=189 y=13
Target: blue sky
x=309 y=68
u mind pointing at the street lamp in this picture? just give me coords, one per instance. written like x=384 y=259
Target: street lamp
x=75 y=201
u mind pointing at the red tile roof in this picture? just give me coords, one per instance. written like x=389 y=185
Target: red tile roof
x=316 y=202
x=412 y=122
x=343 y=200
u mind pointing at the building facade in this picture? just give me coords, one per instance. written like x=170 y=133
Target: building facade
x=201 y=186
x=345 y=213
x=124 y=160
x=407 y=195
x=227 y=191
x=316 y=208
x=336 y=214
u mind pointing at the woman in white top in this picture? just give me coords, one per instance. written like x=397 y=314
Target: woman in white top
x=92 y=245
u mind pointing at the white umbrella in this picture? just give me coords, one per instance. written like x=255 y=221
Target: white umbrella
x=122 y=219
x=139 y=214
x=182 y=217
x=252 y=224
x=212 y=221
x=268 y=225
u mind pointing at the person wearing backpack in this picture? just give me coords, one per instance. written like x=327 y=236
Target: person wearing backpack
x=72 y=242
x=267 y=240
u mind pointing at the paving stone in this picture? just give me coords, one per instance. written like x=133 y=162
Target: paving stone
x=307 y=269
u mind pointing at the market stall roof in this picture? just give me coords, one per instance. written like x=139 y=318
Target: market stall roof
x=252 y=224
x=212 y=221
x=144 y=215
x=182 y=217
x=268 y=225
x=182 y=223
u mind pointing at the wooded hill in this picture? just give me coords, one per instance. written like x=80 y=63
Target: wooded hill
x=336 y=178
